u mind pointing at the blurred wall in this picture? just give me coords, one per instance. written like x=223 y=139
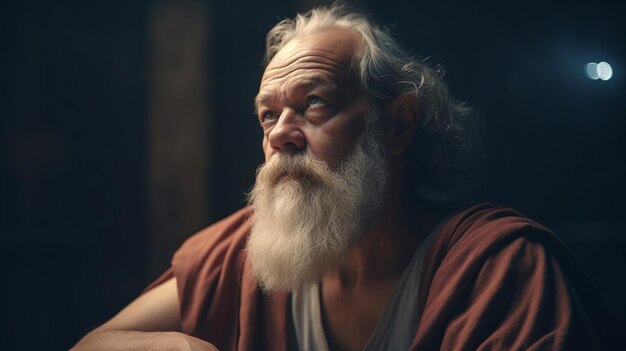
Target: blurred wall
x=73 y=167
x=127 y=126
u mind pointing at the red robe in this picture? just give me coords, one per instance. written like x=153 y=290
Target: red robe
x=491 y=280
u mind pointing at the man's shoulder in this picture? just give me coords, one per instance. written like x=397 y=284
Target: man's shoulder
x=485 y=224
x=487 y=259
x=474 y=233
x=482 y=233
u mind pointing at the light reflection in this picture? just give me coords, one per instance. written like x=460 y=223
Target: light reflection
x=601 y=70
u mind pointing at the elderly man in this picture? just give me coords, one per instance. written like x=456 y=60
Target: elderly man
x=340 y=248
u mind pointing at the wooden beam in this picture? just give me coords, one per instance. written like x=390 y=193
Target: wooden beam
x=179 y=127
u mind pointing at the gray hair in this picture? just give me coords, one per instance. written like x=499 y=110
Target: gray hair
x=448 y=130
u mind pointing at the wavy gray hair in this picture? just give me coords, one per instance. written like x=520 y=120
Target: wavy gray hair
x=448 y=131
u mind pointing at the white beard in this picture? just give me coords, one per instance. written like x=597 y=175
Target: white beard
x=305 y=225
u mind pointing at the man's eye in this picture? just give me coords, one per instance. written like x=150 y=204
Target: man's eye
x=315 y=101
x=268 y=115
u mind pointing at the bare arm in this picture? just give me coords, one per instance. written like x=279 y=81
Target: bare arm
x=151 y=322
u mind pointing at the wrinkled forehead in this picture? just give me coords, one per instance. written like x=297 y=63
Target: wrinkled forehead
x=337 y=39
x=327 y=53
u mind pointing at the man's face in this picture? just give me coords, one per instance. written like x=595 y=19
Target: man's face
x=324 y=178
x=310 y=101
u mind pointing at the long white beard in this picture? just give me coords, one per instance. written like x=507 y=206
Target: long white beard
x=307 y=217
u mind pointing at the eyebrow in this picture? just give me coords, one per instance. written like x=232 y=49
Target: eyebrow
x=306 y=83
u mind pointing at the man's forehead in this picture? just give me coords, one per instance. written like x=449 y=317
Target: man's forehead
x=338 y=40
x=325 y=47
x=317 y=58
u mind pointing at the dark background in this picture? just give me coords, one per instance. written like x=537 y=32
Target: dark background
x=88 y=219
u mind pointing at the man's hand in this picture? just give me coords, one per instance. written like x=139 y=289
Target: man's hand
x=151 y=322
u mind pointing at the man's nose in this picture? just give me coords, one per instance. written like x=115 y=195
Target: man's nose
x=287 y=134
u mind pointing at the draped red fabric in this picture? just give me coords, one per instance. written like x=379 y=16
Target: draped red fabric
x=491 y=280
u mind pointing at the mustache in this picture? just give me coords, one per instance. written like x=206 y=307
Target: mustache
x=300 y=166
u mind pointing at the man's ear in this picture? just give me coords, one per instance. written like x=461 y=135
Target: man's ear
x=403 y=117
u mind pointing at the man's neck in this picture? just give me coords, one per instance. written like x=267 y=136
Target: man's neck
x=385 y=250
x=354 y=297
